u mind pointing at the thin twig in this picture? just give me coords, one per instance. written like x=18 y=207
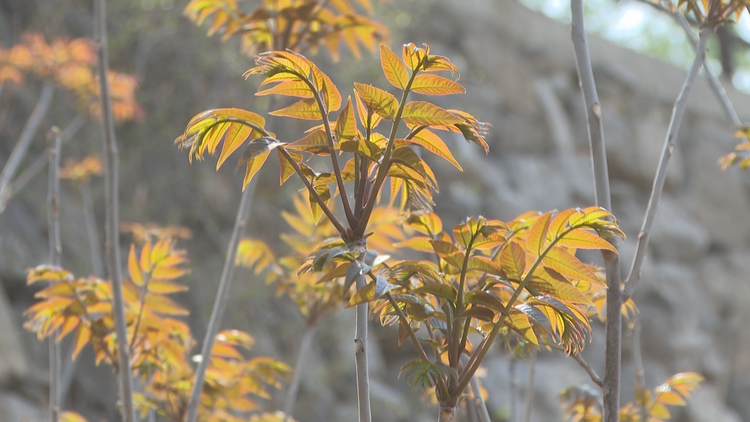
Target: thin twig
x=304 y=351
x=513 y=389
x=661 y=172
x=112 y=246
x=718 y=89
x=530 y=385
x=360 y=353
x=592 y=373
x=24 y=141
x=55 y=258
x=40 y=163
x=220 y=303
x=481 y=406
x=603 y=199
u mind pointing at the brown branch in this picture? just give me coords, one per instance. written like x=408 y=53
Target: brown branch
x=112 y=246
x=589 y=370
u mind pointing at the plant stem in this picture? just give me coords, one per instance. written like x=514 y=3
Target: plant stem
x=585 y=365
x=304 y=351
x=721 y=94
x=360 y=354
x=220 y=302
x=513 y=389
x=603 y=199
x=661 y=172
x=40 y=163
x=479 y=403
x=24 y=141
x=55 y=259
x=112 y=246
x=530 y=385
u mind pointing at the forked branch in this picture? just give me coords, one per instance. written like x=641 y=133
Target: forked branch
x=611 y=385
x=661 y=171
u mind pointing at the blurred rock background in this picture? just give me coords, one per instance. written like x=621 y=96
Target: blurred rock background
x=519 y=71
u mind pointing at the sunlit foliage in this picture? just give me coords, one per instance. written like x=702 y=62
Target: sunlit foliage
x=160 y=342
x=70 y=64
x=296 y=25
x=582 y=404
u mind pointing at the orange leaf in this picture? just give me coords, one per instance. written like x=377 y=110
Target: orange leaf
x=133 y=268
x=236 y=136
x=513 y=260
x=431 y=142
x=419 y=243
x=163 y=305
x=314 y=143
x=584 y=239
x=538 y=234
x=569 y=266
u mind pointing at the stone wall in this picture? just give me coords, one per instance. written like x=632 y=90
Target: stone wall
x=519 y=70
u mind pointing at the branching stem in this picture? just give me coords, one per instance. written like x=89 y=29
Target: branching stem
x=589 y=370
x=661 y=171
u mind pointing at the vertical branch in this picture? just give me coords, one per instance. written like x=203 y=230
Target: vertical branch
x=657 y=188
x=603 y=199
x=220 y=303
x=24 y=140
x=513 y=389
x=112 y=246
x=55 y=258
x=481 y=406
x=530 y=386
x=360 y=354
x=304 y=350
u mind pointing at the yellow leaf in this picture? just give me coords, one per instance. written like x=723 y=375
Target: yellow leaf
x=346 y=125
x=569 y=266
x=535 y=240
x=448 y=252
x=381 y=102
x=163 y=305
x=419 y=243
x=314 y=143
x=428 y=114
x=366 y=113
x=82 y=338
x=253 y=165
x=289 y=88
x=513 y=260
x=236 y=136
x=285 y=167
x=435 y=85
x=413 y=56
x=165 y=286
x=255 y=154
x=393 y=68
x=304 y=109
x=146 y=257
x=133 y=268
x=363 y=295
x=431 y=142
x=168 y=273
x=583 y=239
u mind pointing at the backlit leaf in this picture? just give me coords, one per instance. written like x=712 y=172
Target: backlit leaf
x=381 y=102
x=304 y=109
x=393 y=68
x=513 y=260
x=428 y=114
x=435 y=85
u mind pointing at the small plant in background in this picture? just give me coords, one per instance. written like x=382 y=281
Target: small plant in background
x=298 y=25
x=160 y=343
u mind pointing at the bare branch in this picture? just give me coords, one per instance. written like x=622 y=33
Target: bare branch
x=91 y=232
x=112 y=246
x=585 y=365
x=24 y=141
x=479 y=403
x=360 y=354
x=304 y=350
x=661 y=171
x=640 y=375
x=55 y=258
x=530 y=385
x=603 y=199
x=718 y=89
x=220 y=303
x=39 y=164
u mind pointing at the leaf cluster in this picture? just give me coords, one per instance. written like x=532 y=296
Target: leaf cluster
x=70 y=64
x=708 y=13
x=375 y=157
x=294 y=24
x=582 y=404
x=314 y=274
x=82 y=171
x=160 y=343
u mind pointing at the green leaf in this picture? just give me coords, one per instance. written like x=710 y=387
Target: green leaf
x=443 y=291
